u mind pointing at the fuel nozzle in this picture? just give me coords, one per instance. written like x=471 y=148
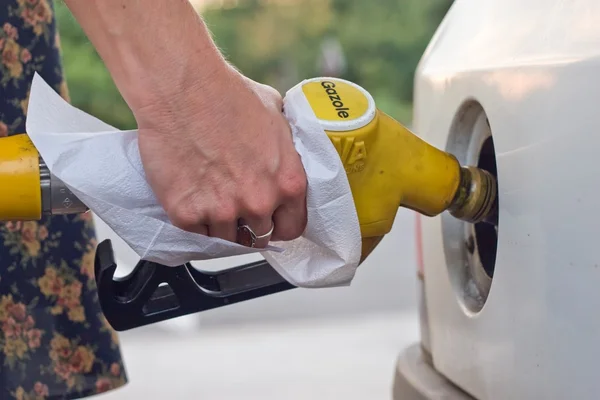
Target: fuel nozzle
x=388 y=166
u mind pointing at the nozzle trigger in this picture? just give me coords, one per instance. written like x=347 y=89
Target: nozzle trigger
x=153 y=292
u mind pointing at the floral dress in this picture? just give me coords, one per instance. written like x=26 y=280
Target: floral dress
x=54 y=340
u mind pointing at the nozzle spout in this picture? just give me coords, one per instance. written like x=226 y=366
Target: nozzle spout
x=476 y=199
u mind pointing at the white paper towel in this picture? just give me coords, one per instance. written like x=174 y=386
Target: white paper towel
x=102 y=166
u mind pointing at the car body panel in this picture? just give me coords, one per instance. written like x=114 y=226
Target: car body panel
x=534 y=68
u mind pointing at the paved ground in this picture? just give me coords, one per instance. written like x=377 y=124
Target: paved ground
x=303 y=344
x=346 y=358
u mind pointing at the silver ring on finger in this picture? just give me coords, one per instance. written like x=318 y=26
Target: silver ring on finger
x=247 y=237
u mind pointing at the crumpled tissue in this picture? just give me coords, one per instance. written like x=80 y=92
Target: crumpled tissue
x=102 y=166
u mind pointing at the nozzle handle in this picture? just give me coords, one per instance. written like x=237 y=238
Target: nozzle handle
x=153 y=292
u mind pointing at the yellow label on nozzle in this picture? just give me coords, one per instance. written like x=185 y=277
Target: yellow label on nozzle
x=338 y=104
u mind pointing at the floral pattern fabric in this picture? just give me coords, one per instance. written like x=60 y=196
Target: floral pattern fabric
x=54 y=340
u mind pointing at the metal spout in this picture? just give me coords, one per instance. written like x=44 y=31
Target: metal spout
x=476 y=199
x=57 y=198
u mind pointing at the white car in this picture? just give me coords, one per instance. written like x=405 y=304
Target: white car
x=512 y=313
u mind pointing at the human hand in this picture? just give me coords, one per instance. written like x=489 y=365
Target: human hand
x=222 y=154
x=215 y=145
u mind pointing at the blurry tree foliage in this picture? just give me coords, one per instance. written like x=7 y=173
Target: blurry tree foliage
x=279 y=43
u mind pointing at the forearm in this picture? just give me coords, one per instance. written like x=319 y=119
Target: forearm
x=151 y=48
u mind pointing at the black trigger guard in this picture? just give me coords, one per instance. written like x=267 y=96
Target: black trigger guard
x=139 y=299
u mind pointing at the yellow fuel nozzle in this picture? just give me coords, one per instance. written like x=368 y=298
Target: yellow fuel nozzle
x=389 y=167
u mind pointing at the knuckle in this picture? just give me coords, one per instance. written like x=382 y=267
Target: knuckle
x=293 y=186
x=186 y=218
x=272 y=93
x=275 y=93
x=258 y=207
x=224 y=213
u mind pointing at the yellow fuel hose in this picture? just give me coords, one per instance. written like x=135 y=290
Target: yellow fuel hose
x=21 y=194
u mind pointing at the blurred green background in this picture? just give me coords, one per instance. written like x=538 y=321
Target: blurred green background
x=375 y=43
